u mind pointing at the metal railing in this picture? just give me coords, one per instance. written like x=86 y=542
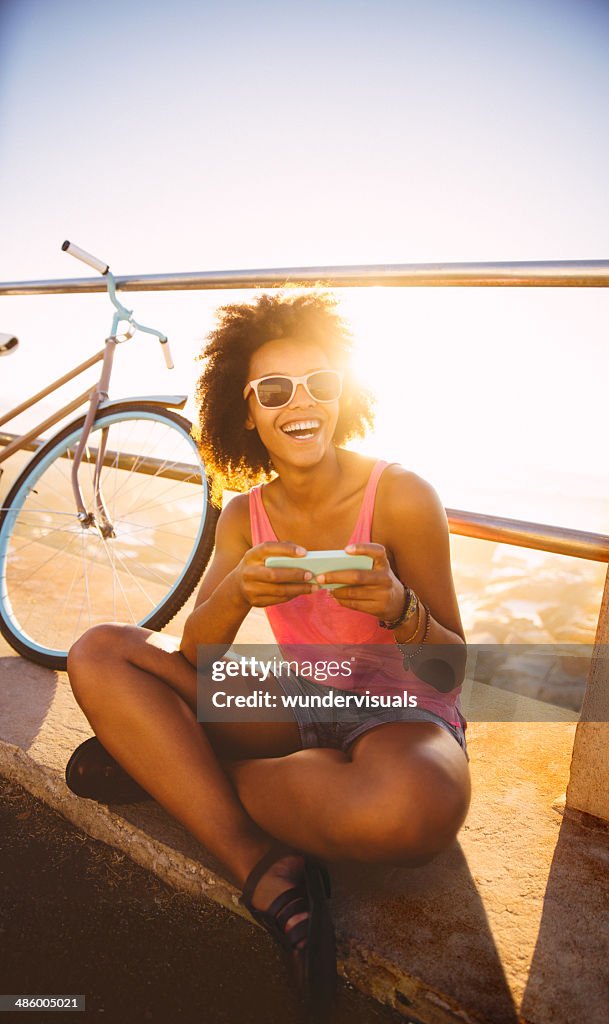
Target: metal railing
x=548 y=274
x=185 y=472
x=551 y=274
x=522 y=533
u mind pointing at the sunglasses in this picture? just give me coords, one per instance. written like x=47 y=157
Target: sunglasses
x=275 y=392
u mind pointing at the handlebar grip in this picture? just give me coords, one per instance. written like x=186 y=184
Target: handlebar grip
x=8 y=343
x=86 y=257
x=166 y=353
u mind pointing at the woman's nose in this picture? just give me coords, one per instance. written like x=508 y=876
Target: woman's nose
x=301 y=396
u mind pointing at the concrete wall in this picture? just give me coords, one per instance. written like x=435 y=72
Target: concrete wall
x=588 y=788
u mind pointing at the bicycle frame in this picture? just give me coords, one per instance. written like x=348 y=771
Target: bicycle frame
x=24 y=441
x=97 y=398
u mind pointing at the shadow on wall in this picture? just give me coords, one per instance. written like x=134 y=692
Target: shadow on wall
x=432 y=922
x=569 y=975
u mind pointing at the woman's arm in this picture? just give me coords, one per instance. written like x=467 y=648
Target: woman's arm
x=220 y=607
x=419 y=540
x=238 y=580
x=414 y=523
x=412 y=549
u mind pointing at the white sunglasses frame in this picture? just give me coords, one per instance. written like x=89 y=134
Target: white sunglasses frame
x=252 y=386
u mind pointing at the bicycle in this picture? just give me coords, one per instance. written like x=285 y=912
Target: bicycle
x=111 y=520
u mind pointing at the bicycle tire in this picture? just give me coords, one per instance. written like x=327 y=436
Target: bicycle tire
x=147 y=446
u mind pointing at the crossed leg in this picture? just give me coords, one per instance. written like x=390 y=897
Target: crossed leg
x=399 y=796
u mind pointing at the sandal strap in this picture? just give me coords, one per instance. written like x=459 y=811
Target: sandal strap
x=285 y=906
x=282 y=908
x=296 y=934
x=277 y=851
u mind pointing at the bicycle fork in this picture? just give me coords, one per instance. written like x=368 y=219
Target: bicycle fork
x=98 y=517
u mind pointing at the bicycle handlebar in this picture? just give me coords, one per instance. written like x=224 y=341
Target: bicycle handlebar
x=8 y=344
x=166 y=353
x=122 y=315
x=86 y=257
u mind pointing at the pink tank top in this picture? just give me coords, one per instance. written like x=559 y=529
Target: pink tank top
x=317 y=618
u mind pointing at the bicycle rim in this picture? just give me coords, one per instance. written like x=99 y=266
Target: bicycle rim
x=58 y=579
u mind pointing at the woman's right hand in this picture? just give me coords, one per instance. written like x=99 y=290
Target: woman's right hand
x=260 y=585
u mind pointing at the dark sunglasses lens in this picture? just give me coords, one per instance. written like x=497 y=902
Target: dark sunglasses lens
x=325 y=386
x=274 y=392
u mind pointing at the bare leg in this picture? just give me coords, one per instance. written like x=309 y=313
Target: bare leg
x=153 y=733
x=399 y=796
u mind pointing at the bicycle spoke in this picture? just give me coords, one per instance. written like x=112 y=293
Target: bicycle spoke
x=116 y=578
x=44 y=511
x=173 y=492
x=86 y=578
x=76 y=632
x=41 y=540
x=43 y=565
x=68 y=595
x=159 y=527
x=168 y=465
x=138 y=459
x=160 y=497
x=156 y=548
x=135 y=580
x=30 y=607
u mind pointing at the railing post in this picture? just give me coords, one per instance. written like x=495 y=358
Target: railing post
x=588 y=788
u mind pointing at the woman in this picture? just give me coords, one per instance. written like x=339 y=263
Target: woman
x=275 y=800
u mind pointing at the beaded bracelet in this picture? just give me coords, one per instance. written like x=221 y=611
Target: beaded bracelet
x=413 y=654
x=410 y=639
x=410 y=602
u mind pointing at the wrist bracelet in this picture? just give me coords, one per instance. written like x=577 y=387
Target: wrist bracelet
x=413 y=654
x=410 y=602
x=410 y=639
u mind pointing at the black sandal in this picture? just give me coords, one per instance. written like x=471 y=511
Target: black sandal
x=314 y=964
x=93 y=773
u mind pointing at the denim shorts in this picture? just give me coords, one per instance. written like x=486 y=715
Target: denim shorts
x=333 y=727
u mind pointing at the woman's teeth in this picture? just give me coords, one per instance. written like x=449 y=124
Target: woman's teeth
x=303 y=429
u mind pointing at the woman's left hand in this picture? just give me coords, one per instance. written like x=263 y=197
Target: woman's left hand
x=376 y=591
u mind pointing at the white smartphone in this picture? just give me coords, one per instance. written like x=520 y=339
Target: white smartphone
x=321 y=561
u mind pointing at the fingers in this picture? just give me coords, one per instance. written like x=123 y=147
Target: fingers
x=364 y=590
x=275 y=547
x=365 y=577
x=278 y=574
x=375 y=551
x=266 y=585
x=255 y=558
x=260 y=596
x=280 y=597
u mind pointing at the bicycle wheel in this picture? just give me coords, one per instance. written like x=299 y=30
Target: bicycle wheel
x=58 y=578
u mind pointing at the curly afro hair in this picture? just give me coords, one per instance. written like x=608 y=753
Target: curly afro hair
x=235 y=457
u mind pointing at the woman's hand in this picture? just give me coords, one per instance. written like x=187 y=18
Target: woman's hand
x=376 y=591
x=260 y=585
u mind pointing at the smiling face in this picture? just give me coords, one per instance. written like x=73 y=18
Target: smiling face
x=301 y=432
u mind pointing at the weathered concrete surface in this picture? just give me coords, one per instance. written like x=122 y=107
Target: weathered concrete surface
x=510 y=924
x=588 y=788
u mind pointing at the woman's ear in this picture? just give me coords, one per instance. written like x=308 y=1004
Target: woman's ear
x=249 y=423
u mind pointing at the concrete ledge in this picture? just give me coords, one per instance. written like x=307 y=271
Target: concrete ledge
x=509 y=925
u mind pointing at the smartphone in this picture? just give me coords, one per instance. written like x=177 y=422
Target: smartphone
x=322 y=561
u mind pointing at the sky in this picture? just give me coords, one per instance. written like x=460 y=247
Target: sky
x=210 y=136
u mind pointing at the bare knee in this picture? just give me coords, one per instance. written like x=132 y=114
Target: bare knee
x=411 y=823
x=428 y=823
x=95 y=648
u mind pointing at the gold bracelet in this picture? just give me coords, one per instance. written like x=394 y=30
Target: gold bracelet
x=411 y=655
